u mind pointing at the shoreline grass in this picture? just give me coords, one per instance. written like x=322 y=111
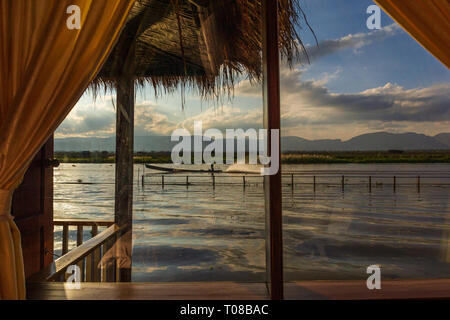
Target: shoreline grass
x=343 y=157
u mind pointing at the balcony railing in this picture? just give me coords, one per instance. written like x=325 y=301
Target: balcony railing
x=87 y=256
x=80 y=225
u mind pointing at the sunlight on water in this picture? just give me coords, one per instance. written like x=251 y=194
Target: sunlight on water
x=196 y=232
x=244 y=168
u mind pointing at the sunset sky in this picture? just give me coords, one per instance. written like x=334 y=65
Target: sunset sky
x=358 y=81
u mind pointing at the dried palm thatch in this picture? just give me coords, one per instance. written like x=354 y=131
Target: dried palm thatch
x=201 y=44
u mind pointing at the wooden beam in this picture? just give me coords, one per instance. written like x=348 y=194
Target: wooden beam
x=82 y=223
x=124 y=151
x=124 y=158
x=272 y=184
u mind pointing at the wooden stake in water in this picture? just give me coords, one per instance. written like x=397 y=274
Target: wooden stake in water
x=162 y=181
x=370 y=184
x=394 y=183
x=343 y=182
x=418 y=184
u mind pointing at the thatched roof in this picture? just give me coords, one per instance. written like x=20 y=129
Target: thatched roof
x=204 y=44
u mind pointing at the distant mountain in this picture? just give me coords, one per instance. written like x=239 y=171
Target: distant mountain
x=365 y=142
x=399 y=141
x=443 y=138
x=300 y=144
x=150 y=143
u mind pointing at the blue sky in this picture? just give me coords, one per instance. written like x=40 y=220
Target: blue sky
x=359 y=81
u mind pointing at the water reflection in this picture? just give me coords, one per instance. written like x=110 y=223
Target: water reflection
x=196 y=232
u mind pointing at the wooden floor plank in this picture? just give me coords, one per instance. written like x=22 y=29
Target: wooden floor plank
x=317 y=290
x=149 y=291
x=357 y=290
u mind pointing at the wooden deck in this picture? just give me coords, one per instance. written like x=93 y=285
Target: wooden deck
x=320 y=290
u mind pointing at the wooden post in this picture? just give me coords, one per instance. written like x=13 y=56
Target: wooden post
x=124 y=164
x=370 y=184
x=125 y=92
x=65 y=239
x=162 y=181
x=272 y=184
x=418 y=184
x=94 y=231
x=292 y=181
x=124 y=151
x=314 y=184
x=213 y=181
x=143 y=182
x=80 y=264
x=395 y=182
x=96 y=271
x=109 y=271
x=243 y=181
x=343 y=183
x=79 y=235
x=187 y=182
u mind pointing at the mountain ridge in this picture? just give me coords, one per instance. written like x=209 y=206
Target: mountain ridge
x=376 y=141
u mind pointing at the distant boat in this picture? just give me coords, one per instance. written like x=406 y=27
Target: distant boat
x=175 y=170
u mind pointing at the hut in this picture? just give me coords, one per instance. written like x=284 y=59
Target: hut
x=201 y=44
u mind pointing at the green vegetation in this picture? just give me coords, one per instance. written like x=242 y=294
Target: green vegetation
x=393 y=156
x=109 y=157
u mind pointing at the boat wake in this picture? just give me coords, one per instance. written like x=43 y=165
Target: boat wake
x=244 y=168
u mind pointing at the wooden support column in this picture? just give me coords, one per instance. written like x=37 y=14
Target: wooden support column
x=124 y=152
x=272 y=184
x=124 y=160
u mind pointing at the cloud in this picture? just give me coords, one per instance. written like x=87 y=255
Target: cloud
x=308 y=108
x=99 y=119
x=328 y=47
x=226 y=117
x=390 y=102
x=149 y=121
x=352 y=41
x=89 y=119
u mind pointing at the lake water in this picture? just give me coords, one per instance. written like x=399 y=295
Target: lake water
x=201 y=233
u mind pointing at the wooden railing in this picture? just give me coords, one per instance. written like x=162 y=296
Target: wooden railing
x=86 y=257
x=80 y=225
